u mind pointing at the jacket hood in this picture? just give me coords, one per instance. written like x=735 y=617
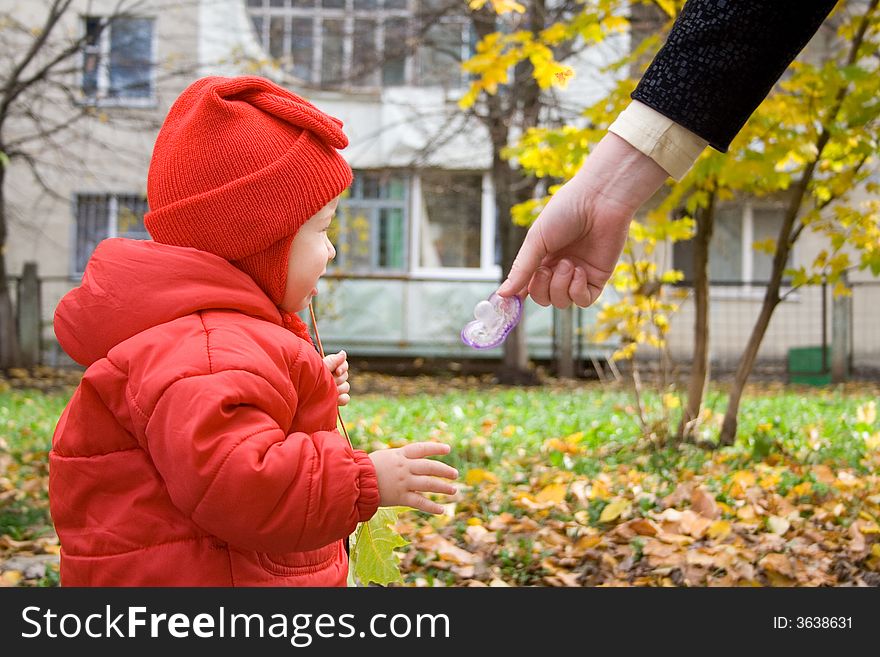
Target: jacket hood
x=130 y=286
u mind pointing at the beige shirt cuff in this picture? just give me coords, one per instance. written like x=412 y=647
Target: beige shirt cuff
x=670 y=145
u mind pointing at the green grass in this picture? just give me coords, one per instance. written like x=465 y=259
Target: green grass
x=490 y=427
x=27 y=420
x=503 y=430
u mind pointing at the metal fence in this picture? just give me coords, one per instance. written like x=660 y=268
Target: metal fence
x=810 y=317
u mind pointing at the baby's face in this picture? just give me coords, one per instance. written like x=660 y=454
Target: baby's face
x=310 y=252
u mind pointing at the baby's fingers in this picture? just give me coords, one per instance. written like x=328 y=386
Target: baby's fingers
x=421 y=450
x=432 y=485
x=433 y=468
x=416 y=501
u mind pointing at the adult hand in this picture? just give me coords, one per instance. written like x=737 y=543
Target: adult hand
x=571 y=250
x=404 y=473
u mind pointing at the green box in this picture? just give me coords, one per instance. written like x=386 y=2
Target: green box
x=805 y=366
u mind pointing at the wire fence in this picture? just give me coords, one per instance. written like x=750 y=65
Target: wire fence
x=810 y=319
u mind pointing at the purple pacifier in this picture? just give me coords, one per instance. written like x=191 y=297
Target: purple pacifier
x=495 y=318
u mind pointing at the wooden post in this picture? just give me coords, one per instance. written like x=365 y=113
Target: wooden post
x=29 y=316
x=841 y=319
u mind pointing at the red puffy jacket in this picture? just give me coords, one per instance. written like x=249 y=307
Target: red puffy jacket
x=200 y=448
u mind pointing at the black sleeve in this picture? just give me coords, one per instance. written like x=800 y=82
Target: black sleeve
x=721 y=59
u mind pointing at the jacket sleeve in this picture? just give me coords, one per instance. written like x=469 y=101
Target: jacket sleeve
x=217 y=443
x=721 y=59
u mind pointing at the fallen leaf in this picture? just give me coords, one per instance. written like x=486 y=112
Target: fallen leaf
x=552 y=493
x=643 y=526
x=778 y=567
x=10 y=578
x=778 y=525
x=704 y=503
x=694 y=525
x=719 y=530
x=477 y=476
x=614 y=510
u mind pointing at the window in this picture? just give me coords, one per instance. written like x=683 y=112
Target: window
x=364 y=43
x=118 y=60
x=732 y=258
x=447 y=43
x=450 y=219
x=99 y=216
x=370 y=231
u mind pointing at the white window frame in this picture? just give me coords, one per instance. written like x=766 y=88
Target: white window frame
x=488 y=270
x=340 y=269
x=348 y=15
x=317 y=15
x=101 y=99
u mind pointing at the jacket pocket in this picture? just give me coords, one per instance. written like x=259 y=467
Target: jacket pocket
x=299 y=563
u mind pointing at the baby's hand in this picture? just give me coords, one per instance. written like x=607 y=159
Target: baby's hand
x=338 y=366
x=404 y=472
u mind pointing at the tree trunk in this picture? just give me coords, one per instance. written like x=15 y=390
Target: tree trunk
x=784 y=245
x=514 y=368
x=9 y=351
x=747 y=361
x=519 y=104
x=699 y=375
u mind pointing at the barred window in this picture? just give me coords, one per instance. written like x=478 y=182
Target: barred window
x=99 y=216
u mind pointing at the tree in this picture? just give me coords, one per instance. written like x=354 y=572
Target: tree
x=822 y=131
x=45 y=114
x=813 y=142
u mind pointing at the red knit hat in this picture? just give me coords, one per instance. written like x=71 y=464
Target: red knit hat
x=238 y=166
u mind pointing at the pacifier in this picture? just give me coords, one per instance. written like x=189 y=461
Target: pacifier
x=495 y=317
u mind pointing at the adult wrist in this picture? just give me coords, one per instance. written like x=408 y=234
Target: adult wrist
x=620 y=173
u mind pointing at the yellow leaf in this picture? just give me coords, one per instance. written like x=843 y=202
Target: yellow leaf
x=598 y=489
x=508 y=431
x=552 y=493
x=11 y=578
x=614 y=510
x=671 y=401
x=505 y=6
x=668 y=7
x=477 y=476
x=719 y=530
